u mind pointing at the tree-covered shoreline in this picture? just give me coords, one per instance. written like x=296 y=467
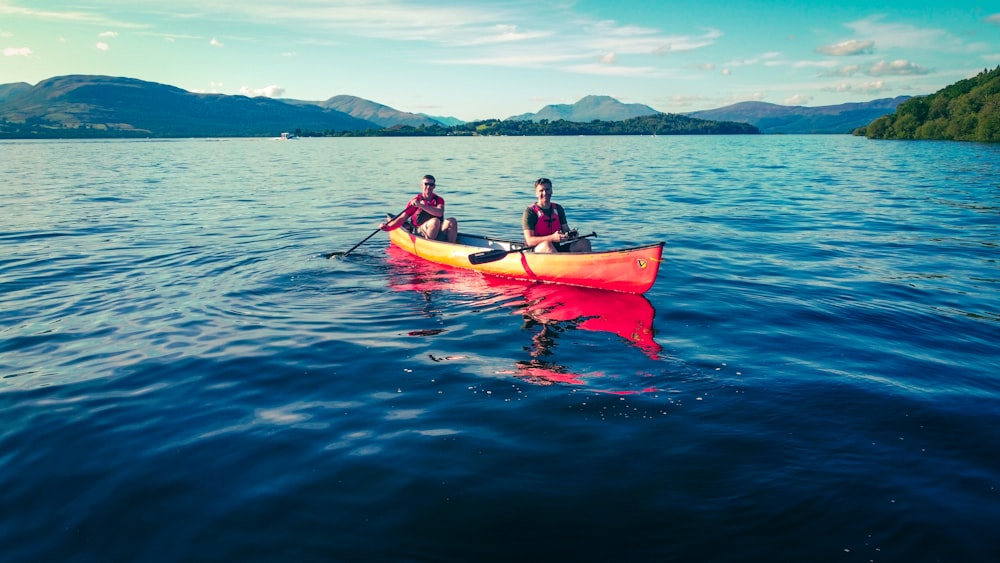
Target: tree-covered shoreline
x=968 y=110
x=660 y=124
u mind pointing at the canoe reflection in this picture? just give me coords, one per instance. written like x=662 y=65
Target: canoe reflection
x=547 y=308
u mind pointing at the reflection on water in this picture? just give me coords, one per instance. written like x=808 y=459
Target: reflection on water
x=548 y=311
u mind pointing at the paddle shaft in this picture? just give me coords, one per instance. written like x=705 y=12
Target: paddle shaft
x=498 y=254
x=364 y=240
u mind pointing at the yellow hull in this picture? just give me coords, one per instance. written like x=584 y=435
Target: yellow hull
x=630 y=270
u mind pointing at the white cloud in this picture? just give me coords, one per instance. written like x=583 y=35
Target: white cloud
x=897 y=35
x=847 y=48
x=503 y=33
x=108 y=34
x=846 y=70
x=216 y=43
x=994 y=19
x=103 y=46
x=798 y=100
x=272 y=91
x=815 y=64
x=214 y=88
x=609 y=59
x=873 y=87
x=767 y=59
x=898 y=67
x=17 y=51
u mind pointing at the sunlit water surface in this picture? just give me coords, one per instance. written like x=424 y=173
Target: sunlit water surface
x=814 y=376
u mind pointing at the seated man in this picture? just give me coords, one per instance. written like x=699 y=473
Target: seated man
x=545 y=226
x=425 y=213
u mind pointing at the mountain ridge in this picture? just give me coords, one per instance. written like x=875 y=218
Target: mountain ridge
x=97 y=105
x=774 y=118
x=588 y=108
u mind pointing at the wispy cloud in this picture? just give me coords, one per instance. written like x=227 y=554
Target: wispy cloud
x=898 y=67
x=994 y=19
x=815 y=64
x=506 y=33
x=77 y=16
x=216 y=43
x=846 y=70
x=763 y=58
x=867 y=88
x=17 y=52
x=901 y=35
x=102 y=46
x=614 y=70
x=502 y=34
x=847 y=48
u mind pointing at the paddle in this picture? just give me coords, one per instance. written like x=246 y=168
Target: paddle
x=497 y=254
x=364 y=240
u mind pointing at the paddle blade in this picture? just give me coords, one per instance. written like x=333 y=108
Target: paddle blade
x=488 y=256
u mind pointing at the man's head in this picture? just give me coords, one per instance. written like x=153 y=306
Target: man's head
x=543 y=188
x=428 y=184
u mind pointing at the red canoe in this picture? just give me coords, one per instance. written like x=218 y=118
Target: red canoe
x=629 y=270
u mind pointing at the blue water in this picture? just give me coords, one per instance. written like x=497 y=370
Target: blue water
x=814 y=376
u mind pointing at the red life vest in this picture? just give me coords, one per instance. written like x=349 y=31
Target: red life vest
x=547 y=225
x=421 y=215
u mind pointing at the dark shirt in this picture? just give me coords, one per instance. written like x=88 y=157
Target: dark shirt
x=530 y=219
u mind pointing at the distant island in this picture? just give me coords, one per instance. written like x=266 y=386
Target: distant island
x=657 y=124
x=968 y=110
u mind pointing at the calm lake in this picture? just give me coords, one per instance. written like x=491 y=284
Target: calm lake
x=815 y=375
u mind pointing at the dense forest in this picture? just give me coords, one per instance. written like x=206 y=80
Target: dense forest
x=968 y=110
x=659 y=124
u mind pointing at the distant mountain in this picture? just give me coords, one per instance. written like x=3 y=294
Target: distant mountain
x=589 y=108
x=14 y=89
x=383 y=116
x=773 y=118
x=447 y=121
x=80 y=105
x=968 y=110
x=104 y=106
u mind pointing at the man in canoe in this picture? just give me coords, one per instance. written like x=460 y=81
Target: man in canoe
x=425 y=213
x=545 y=225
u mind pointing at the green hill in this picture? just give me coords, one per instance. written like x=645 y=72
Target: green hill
x=968 y=110
x=104 y=106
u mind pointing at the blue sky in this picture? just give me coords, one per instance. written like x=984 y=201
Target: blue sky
x=477 y=60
